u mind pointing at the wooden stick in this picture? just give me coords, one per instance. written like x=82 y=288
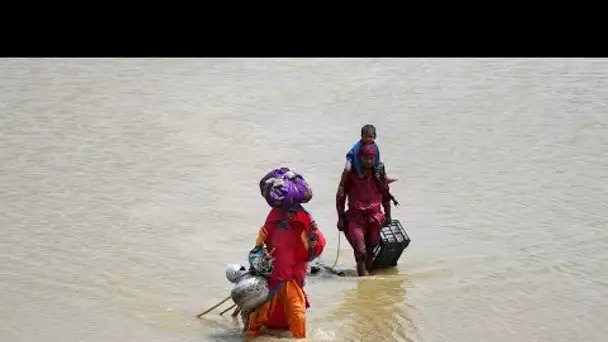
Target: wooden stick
x=213 y=307
x=230 y=308
x=236 y=312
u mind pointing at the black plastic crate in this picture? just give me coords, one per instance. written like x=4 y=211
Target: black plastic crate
x=393 y=241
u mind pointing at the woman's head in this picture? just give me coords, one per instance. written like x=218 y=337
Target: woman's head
x=368 y=155
x=292 y=211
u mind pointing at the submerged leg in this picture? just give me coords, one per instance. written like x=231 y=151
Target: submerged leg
x=372 y=239
x=356 y=238
x=256 y=320
x=295 y=308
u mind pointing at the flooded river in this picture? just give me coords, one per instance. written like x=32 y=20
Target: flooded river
x=126 y=186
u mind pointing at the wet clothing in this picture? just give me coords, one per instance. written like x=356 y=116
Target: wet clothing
x=286 y=309
x=379 y=169
x=366 y=198
x=362 y=236
x=353 y=156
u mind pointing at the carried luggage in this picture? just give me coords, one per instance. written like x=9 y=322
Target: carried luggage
x=393 y=241
x=283 y=187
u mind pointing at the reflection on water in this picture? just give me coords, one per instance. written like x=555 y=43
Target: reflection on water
x=376 y=309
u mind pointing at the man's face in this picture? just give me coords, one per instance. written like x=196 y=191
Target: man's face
x=368 y=161
x=368 y=138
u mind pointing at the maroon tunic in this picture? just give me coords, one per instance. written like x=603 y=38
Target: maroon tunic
x=366 y=197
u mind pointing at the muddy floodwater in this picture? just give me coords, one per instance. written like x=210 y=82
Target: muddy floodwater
x=126 y=186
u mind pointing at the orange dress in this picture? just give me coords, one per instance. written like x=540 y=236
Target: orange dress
x=286 y=310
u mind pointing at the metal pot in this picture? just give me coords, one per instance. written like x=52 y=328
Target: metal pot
x=234 y=272
x=250 y=292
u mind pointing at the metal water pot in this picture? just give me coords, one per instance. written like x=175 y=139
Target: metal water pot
x=250 y=292
x=234 y=272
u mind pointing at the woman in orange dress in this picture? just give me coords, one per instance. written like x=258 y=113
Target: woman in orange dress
x=294 y=240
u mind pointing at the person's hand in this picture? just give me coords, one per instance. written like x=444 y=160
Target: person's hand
x=340 y=223
x=312 y=241
x=268 y=254
x=387 y=220
x=312 y=245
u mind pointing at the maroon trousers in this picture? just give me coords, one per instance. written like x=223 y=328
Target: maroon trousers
x=363 y=234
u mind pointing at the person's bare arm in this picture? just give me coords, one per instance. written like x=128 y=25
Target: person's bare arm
x=261 y=239
x=341 y=194
x=343 y=189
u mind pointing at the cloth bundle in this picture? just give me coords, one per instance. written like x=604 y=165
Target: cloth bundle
x=284 y=188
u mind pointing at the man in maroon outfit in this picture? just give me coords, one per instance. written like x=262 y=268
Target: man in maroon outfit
x=366 y=197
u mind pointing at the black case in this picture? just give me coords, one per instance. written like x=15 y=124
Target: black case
x=393 y=241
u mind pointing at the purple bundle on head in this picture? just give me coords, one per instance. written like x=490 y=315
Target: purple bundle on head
x=283 y=187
